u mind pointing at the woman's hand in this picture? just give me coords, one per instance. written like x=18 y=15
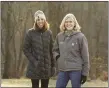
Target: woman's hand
x=53 y=71
x=57 y=57
x=83 y=79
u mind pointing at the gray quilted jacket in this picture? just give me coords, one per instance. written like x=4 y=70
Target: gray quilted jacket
x=38 y=50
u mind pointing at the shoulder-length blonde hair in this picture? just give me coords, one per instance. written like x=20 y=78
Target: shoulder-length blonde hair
x=46 y=25
x=70 y=15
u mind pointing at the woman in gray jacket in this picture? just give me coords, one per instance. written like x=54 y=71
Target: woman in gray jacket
x=71 y=52
x=37 y=48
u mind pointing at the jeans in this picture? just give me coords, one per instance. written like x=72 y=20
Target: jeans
x=44 y=83
x=64 y=77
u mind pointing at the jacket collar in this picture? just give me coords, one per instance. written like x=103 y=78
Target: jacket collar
x=73 y=33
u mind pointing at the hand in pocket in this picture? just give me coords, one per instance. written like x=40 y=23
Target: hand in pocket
x=53 y=71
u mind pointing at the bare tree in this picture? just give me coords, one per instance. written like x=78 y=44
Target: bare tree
x=17 y=17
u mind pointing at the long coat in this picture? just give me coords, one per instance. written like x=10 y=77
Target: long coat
x=38 y=50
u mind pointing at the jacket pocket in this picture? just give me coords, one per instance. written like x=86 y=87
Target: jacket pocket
x=75 y=45
x=74 y=63
x=73 y=49
x=60 y=62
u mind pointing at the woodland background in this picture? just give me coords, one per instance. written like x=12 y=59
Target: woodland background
x=17 y=17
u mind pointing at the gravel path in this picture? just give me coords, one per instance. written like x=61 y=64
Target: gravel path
x=27 y=83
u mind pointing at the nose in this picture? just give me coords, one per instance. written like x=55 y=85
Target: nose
x=69 y=22
x=40 y=20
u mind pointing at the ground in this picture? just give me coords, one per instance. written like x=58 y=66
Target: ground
x=27 y=83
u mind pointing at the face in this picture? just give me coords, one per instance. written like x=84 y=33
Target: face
x=40 y=22
x=69 y=24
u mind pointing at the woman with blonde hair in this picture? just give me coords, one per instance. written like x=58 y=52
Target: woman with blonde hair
x=37 y=48
x=71 y=52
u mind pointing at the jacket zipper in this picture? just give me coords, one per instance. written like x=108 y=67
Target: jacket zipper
x=43 y=48
x=65 y=49
x=64 y=58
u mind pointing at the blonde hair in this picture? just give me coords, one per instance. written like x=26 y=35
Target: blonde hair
x=70 y=15
x=46 y=25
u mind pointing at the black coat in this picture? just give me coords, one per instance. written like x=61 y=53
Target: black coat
x=38 y=49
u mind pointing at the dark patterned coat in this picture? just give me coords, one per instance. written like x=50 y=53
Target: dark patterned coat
x=38 y=49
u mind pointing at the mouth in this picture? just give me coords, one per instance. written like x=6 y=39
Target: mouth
x=40 y=24
x=69 y=26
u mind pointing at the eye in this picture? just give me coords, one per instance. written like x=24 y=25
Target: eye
x=70 y=21
x=42 y=19
x=38 y=19
x=66 y=21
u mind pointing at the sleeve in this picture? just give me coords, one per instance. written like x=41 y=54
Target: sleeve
x=56 y=52
x=85 y=56
x=27 y=49
x=53 y=62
